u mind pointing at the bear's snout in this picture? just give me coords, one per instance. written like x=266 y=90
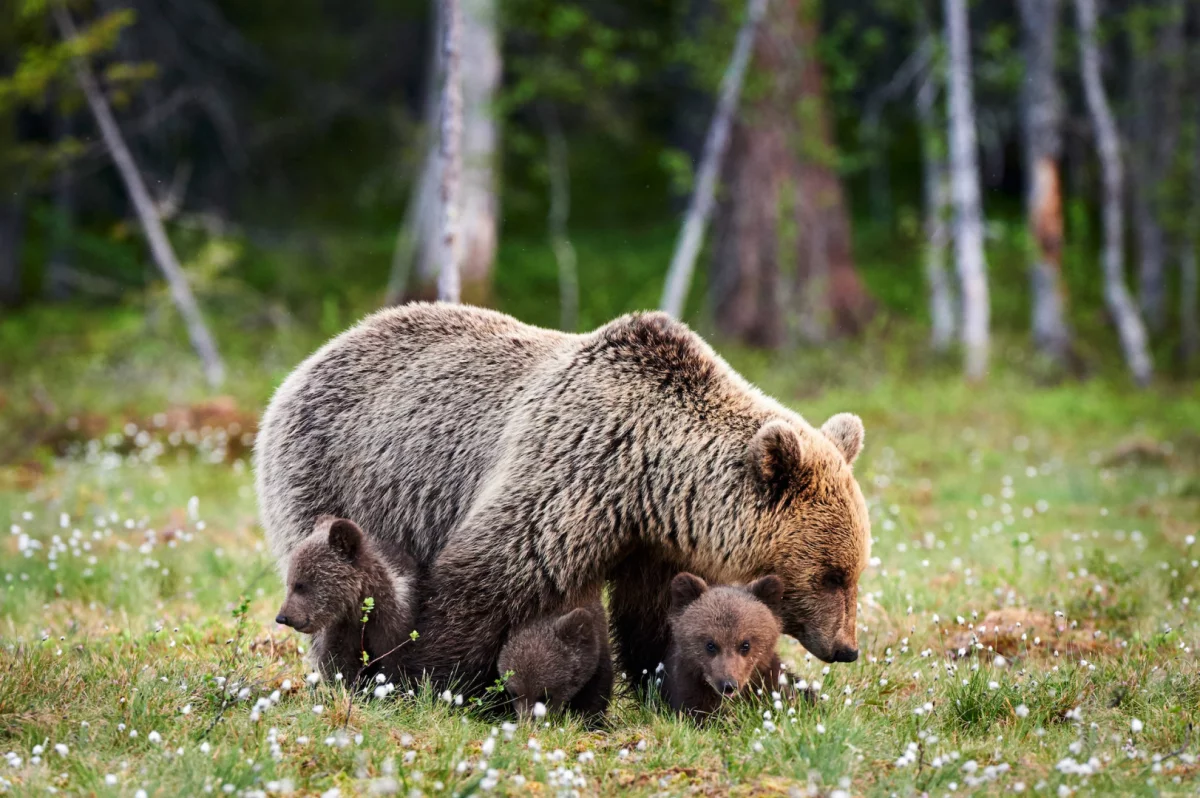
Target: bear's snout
x=845 y=654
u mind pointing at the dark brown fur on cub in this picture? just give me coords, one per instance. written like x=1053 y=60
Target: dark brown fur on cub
x=722 y=642
x=329 y=576
x=560 y=661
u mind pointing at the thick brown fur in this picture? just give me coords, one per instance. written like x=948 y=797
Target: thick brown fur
x=525 y=467
x=329 y=575
x=723 y=642
x=562 y=661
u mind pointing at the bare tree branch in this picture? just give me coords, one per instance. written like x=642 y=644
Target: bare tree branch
x=683 y=263
x=160 y=245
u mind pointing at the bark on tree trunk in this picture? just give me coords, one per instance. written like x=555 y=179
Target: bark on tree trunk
x=160 y=245
x=1041 y=117
x=450 y=160
x=780 y=167
x=691 y=237
x=480 y=81
x=58 y=283
x=937 y=204
x=558 y=167
x=417 y=257
x=12 y=234
x=1116 y=294
x=964 y=176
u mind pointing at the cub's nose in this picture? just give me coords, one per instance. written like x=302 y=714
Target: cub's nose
x=728 y=687
x=845 y=654
x=281 y=618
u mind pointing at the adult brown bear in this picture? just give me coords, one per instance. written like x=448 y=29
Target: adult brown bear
x=524 y=468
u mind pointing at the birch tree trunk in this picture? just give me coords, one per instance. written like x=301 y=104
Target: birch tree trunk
x=450 y=150
x=558 y=168
x=160 y=245
x=480 y=70
x=1041 y=123
x=937 y=203
x=1116 y=294
x=964 y=180
x=691 y=236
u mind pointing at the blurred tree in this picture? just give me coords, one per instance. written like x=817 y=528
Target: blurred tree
x=964 y=181
x=1041 y=117
x=450 y=135
x=416 y=260
x=1116 y=294
x=784 y=203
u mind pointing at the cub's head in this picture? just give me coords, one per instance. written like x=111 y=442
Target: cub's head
x=551 y=659
x=726 y=633
x=814 y=530
x=324 y=576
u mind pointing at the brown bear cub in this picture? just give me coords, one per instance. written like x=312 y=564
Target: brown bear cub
x=722 y=642
x=562 y=662
x=329 y=576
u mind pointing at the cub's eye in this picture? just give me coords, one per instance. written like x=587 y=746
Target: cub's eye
x=744 y=647
x=711 y=647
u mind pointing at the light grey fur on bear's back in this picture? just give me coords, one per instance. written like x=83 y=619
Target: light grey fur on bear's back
x=393 y=422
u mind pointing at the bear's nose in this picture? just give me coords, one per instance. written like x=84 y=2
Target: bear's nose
x=281 y=618
x=728 y=687
x=845 y=654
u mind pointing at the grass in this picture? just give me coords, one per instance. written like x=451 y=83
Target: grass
x=136 y=594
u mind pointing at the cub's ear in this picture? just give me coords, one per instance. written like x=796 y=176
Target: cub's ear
x=686 y=588
x=768 y=590
x=776 y=453
x=345 y=538
x=847 y=433
x=575 y=628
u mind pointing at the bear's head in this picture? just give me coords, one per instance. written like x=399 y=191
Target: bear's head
x=550 y=661
x=814 y=530
x=324 y=576
x=726 y=634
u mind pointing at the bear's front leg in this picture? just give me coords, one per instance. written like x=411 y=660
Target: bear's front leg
x=639 y=602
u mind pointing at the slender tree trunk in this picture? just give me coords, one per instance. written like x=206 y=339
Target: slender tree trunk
x=1147 y=227
x=964 y=176
x=160 y=245
x=937 y=204
x=1189 y=271
x=480 y=82
x=450 y=149
x=1041 y=118
x=12 y=233
x=558 y=168
x=1116 y=294
x=691 y=236
x=834 y=298
x=58 y=283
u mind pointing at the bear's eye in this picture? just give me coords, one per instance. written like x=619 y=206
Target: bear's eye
x=833 y=580
x=299 y=587
x=744 y=647
x=711 y=647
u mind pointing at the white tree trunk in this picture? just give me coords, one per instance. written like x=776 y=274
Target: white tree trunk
x=1041 y=117
x=450 y=149
x=1116 y=294
x=683 y=262
x=558 y=167
x=937 y=204
x=964 y=181
x=160 y=245
x=480 y=81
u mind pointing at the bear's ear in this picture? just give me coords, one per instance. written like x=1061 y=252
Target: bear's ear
x=768 y=590
x=847 y=433
x=345 y=538
x=776 y=454
x=686 y=588
x=575 y=628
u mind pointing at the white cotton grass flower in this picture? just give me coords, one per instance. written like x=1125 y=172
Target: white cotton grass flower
x=154 y=737
x=110 y=780
x=61 y=749
x=318 y=709
x=1136 y=725
x=1022 y=711
x=539 y=710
